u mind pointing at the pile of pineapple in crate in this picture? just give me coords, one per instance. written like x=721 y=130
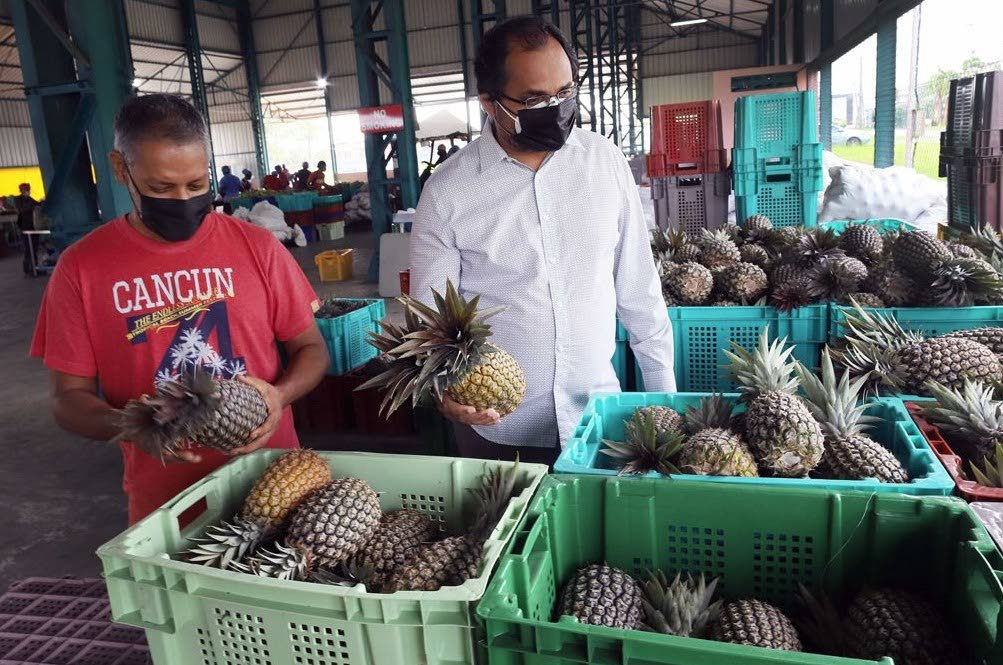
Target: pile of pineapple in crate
x=789 y=267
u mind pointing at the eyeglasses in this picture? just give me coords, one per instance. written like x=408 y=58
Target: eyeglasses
x=541 y=101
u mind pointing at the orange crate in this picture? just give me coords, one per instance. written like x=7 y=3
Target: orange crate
x=335 y=265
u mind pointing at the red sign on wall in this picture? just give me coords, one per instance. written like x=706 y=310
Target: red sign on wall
x=381 y=119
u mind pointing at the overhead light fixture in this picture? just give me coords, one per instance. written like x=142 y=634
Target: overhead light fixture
x=689 y=21
x=322 y=83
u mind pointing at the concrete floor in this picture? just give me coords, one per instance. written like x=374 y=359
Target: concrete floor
x=61 y=494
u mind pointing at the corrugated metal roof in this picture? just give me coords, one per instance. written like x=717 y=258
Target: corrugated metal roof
x=17 y=146
x=849 y=14
x=154 y=22
x=812 y=33
x=219 y=33
x=700 y=53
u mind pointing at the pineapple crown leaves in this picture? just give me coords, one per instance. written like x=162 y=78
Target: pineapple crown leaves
x=345 y=574
x=876 y=328
x=716 y=236
x=985 y=240
x=684 y=607
x=767 y=368
x=282 y=562
x=646 y=449
x=834 y=404
x=880 y=365
x=816 y=246
x=834 y=278
x=492 y=496
x=961 y=282
x=822 y=623
x=971 y=411
x=710 y=412
x=991 y=473
x=791 y=295
x=224 y=545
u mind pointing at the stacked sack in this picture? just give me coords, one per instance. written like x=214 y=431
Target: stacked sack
x=359 y=209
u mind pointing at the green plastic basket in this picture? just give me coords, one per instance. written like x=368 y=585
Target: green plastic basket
x=605 y=415
x=761 y=544
x=194 y=615
x=931 y=321
x=621 y=357
x=700 y=337
x=882 y=225
x=346 y=336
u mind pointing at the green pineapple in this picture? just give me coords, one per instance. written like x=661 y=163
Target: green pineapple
x=714 y=448
x=964 y=283
x=666 y=419
x=917 y=253
x=835 y=278
x=755 y=623
x=717 y=249
x=646 y=449
x=902 y=626
x=689 y=283
x=600 y=595
x=968 y=415
x=863 y=242
x=683 y=607
x=397 y=540
x=863 y=299
x=892 y=285
x=757 y=255
x=742 y=282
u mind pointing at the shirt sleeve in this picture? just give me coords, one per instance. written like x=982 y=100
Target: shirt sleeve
x=639 y=301
x=62 y=338
x=291 y=315
x=434 y=255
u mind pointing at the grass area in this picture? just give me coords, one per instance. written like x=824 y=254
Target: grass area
x=926 y=160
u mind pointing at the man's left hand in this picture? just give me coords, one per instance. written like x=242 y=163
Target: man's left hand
x=273 y=399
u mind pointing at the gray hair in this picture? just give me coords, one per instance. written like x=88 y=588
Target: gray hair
x=158 y=116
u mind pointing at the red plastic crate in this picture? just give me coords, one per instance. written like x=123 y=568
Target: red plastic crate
x=686 y=139
x=968 y=489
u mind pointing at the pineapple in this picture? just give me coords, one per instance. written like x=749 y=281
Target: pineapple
x=849 y=453
x=968 y=415
x=789 y=272
x=446 y=351
x=834 y=278
x=660 y=246
x=877 y=346
x=965 y=282
x=196 y=408
x=892 y=285
x=742 y=282
x=791 y=295
x=863 y=242
x=725 y=303
x=990 y=474
x=689 y=283
x=991 y=337
x=396 y=542
x=757 y=255
x=984 y=240
x=683 y=607
x=917 y=253
x=755 y=623
x=601 y=595
x=327 y=528
x=863 y=299
x=816 y=246
x=785 y=238
x=666 y=419
x=714 y=448
x=289 y=479
x=717 y=249
x=757 y=227
x=686 y=254
x=454 y=560
x=647 y=448
x=779 y=427
x=899 y=625
x=962 y=251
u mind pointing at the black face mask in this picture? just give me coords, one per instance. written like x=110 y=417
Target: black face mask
x=544 y=129
x=174 y=220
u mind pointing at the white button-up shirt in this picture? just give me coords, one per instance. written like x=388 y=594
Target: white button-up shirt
x=565 y=249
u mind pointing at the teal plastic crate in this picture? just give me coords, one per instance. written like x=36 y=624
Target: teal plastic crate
x=761 y=544
x=621 y=357
x=346 y=336
x=783 y=202
x=776 y=130
x=296 y=202
x=882 y=225
x=605 y=415
x=931 y=321
x=195 y=615
x=700 y=336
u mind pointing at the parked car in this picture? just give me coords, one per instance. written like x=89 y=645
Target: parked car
x=847 y=136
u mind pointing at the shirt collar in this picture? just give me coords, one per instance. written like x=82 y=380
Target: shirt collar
x=491 y=153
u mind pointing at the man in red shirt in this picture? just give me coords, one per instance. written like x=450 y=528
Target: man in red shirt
x=276 y=181
x=168 y=288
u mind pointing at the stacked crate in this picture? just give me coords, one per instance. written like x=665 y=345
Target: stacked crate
x=688 y=167
x=970 y=151
x=777 y=159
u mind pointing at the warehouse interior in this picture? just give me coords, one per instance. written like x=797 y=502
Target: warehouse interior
x=285 y=82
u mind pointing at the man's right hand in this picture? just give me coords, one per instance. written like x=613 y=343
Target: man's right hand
x=183 y=456
x=467 y=415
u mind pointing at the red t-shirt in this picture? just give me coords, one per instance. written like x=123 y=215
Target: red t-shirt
x=131 y=311
x=275 y=183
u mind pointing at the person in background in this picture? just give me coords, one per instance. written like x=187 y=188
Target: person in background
x=454 y=149
x=302 y=177
x=285 y=174
x=442 y=154
x=168 y=288
x=229 y=185
x=274 y=181
x=555 y=235
x=316 y=180
x=25 y=206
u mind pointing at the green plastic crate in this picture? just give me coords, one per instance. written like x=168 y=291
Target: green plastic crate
x=194 y=615
x=296 y=202
x=882 y=225
x=776 y=130
x=700 y=337
x=605 y=415
x=760 y=543
x=621 y=356
x=931 y=321
x=783 y=202
x=346 y=335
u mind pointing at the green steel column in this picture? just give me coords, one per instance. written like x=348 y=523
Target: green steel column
x=253 y=84
x=884 y=96
x=782 y=30
x=827 y=19
x=318 y=19
x=479 y=18
x=193 y=51
x=543 y=7
x=61 y=109
x=382 y=22
x=100 y=31
x=469 y=90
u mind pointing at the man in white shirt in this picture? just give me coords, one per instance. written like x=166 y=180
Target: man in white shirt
x=543 y=218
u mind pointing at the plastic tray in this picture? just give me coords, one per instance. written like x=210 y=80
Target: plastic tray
x=194 y=615
x=686 y=139
x=760 y=543
x=969 y=489
x=331 y=231
x=622 y=358
x=776 y=130
x=931 y=321
x=296 y=202
x=693 y=202
x=605 y=415
x=882 y=225
x=700 y=337
x=974 y=110
x=346 y=335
